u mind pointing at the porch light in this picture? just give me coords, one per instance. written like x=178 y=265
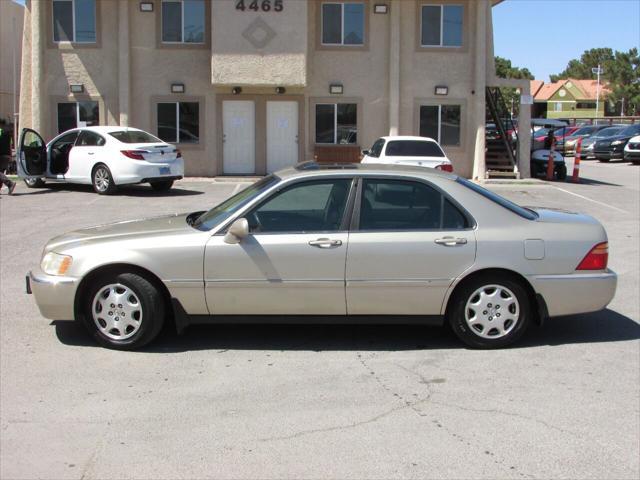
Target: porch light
x=280 y=90
x=76 y=88
x=336 y=89
x=442 y=90
x=146 y=6
x=236 y=90
x=177 y=88
x=381 y=8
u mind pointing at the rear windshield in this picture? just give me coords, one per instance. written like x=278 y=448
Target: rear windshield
x=413 y=148
x=134 y=136
x=503 y=202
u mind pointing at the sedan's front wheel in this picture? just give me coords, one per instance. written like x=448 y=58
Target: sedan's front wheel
x=489 y=312
x=123 y=311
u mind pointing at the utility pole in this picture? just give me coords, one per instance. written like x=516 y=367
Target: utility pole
x=599 y=71
x=622 y=110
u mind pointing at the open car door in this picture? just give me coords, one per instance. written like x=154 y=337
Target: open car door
x=32 y=155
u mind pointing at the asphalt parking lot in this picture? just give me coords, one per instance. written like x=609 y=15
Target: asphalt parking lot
x=317 y=401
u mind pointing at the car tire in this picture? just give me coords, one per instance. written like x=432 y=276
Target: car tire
x=603 y=160
x=561 y=173
x=102 y=180
x=162 y=186
x=123 y=311
x=34 y=182
x=474 y=313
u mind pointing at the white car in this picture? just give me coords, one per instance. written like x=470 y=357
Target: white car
x=407 y=150
x=105 y=157
x=632 y=150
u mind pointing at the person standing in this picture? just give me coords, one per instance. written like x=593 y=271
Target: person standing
x=5 y=157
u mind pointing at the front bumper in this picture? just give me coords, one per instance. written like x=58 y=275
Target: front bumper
x=54 y=295
x=577 y=292
x=607 y=154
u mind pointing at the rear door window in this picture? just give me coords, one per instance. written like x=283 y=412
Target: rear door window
x=407 y=205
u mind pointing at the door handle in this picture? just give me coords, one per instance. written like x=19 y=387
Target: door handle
x=325 y=243
x=450 y=241
x=91 y=153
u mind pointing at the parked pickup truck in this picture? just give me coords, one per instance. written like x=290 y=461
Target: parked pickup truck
x=406 y=150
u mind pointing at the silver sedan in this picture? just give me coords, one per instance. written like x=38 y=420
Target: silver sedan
x=313 y=244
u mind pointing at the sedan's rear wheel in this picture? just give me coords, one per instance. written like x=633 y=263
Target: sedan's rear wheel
x=102 y=180
x=123 y=311
x=490 y=312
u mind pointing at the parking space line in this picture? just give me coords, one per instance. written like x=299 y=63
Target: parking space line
x=590 y=199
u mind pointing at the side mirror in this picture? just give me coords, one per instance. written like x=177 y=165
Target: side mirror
x=365 y=152
x=237 y=231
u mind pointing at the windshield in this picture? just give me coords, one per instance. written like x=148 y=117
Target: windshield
x=607 y=132
x=631 y=131
x=583 y=131
x=220 y=213
x=134 y=136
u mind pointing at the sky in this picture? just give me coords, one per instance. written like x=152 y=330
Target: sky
x=543 y=35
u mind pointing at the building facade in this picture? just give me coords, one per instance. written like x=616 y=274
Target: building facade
x=569 y=98
x=250 y=86
x=11 y=21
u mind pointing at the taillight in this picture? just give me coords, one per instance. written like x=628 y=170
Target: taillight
x=135 y=154
x=445 y=167
x=178 y=153
x=596 y=259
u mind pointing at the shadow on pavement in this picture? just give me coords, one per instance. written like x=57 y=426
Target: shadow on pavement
x=125 y=191
x=599 y=327
x=590 y=181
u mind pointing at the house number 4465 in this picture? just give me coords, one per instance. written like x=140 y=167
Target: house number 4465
x=257 y=5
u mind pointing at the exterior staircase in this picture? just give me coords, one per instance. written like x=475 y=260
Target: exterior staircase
x=501 y=154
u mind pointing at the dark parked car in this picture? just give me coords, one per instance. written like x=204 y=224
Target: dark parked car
x=612 y=148
x=589 y=143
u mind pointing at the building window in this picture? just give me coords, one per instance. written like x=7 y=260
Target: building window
x=336 y=123
x=179 y=122
x=74 y=21
x=442 y=123
x=441 y=25
x=183 y=21
x=557 y=107
x=77 y=115
x=586 y=105
x=343 y=24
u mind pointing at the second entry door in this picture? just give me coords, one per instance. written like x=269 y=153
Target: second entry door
x=282 y=135
x=239 y=137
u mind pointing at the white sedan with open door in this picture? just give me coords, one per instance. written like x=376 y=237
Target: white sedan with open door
x=105 y=157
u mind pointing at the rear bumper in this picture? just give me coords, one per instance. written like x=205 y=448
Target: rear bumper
x=576 y=293
x=54 y=295
x=143 y=171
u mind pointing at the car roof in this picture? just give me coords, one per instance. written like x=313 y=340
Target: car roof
x=108 y=129
x=409 y=137
x=313 y=168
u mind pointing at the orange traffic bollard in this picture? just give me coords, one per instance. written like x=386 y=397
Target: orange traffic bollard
x=550 y=166
x=576 y=162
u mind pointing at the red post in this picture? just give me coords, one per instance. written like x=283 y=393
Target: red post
x=576 y=161
x=550 y=161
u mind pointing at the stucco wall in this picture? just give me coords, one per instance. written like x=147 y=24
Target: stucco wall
x=11 y=21
x=364 y=72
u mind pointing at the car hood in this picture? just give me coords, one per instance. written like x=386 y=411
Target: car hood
x=558 y=215
x=122 y=230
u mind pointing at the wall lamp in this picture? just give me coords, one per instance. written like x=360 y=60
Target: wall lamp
x=76 y=88
x=146 y=6
x=336 y=89
x=442 y=90
x=177 y=88
x=280 y=90
x=381 y=8
x=236 y=90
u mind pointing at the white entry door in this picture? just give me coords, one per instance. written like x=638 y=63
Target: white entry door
x=238 y=137
x=282 y=135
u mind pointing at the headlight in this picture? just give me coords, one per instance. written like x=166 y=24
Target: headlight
x=617 y=142
x=55 y=264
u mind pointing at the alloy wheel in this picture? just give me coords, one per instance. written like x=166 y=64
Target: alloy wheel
x=101 y=179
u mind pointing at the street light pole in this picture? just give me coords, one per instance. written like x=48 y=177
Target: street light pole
x=598 y=71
